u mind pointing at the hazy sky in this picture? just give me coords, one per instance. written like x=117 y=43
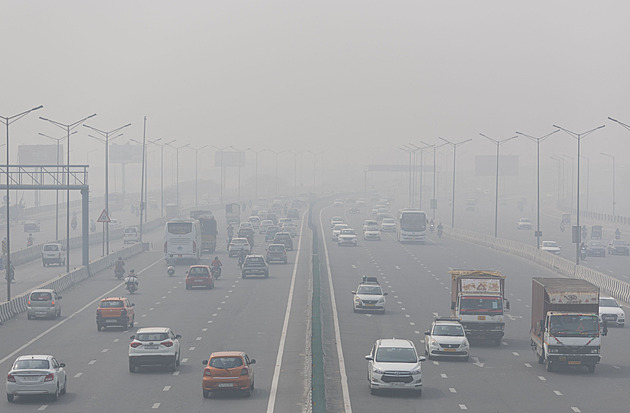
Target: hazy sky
x=364 y=76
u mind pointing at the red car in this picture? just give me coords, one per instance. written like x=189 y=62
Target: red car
x=199 y=276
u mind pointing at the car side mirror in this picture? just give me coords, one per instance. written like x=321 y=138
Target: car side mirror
x=133 y=304
x=369 y=357
x=62 y=364
x=384 y=293
x=59 y=297
x=252 y=361
x=132 y=337
x=422 y=358
x=426 y=333
x=205 y=362
x=178 y=336
x=354 y=292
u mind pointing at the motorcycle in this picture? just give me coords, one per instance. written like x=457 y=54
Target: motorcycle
x=216 y=272
x=562 y=226
x=29 y=242
x=431 y=227
x=131 y=284
x=170 y=270
x=241 y=260
x=119 y=273
x=583 y=253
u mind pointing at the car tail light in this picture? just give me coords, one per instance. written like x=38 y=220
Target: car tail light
x=207 y=372
x=53 y=302
x=49 y=377
x=11 y=378
x=167 y=343
x=29 y=302
x=244 y=371
x=135 y=344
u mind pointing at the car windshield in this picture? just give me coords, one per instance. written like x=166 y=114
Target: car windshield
x=226 y=362
x=51 y=248
x=33 y=364
x=239 y=241
x=109 y=304
x=255 y=260
x=448 y=330
x=481 y=304
x=620 y=243
x=276 y=248
x=348 y=232
x=151 y=336
x=574 y=325
x=550 y=244
x=388 y=221
x=199 y=272
x=41 y=296
x=396 y=355
x=369 y=290
x=595 y=244
x=608 y=302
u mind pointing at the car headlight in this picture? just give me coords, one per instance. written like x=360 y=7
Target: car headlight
x=433 y=342
x=595 y=350
x=381 y=300
x=416 y=371
x=357 y=300
x=377 y=371
x=553 y=350
x=464 y=344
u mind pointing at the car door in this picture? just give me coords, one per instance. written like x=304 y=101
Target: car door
x=371 y=362
x=250 y=368
x=60 y=372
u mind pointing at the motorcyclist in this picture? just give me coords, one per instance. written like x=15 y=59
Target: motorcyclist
x=230 y=232
x=120 y=266
x=241 y=257
x=216 y=266
x=29 y=240
x=431 y=225
x=583 y=250
x=440 y=228
x=617 y=234
x=132 y=277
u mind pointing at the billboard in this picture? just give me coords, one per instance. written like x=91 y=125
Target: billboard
x=229 y=159
x=39 y=154
x=486 y=165
x=126 y=153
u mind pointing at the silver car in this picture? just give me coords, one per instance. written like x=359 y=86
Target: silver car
x=394 y=364
x=43 y=303
x=36 y=375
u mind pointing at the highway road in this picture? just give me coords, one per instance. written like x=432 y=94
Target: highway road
x=263 y=317
x=504 y=379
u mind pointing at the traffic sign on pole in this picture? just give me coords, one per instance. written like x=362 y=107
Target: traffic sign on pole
x=103 y=217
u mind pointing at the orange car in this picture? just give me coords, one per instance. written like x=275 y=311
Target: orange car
x=228 y=371
x=115 y=311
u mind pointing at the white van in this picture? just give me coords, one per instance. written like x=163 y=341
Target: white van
x=131 y=234
x=255 y=221
x=53 y=253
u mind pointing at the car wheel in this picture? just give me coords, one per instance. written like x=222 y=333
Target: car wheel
x=172 y=366
x=206 y=394
x=373 y=390
x=65 y=386
x=177 y=363
x=243 y=276
x=267 y=275
x=29 y=317
x=132 y=322
x=98 y=327
x=55 y=396
x=419 y=393
x=10 y=398
x=548 y=366
x=132 y=367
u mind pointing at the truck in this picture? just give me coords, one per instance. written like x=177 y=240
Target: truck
x=208 y=229
x=233 y=213
x=565 y=328
x=478 y=302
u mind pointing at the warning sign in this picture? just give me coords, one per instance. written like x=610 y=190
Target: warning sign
x=103 y=217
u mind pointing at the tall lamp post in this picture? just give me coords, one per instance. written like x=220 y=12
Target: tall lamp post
x=578 y=137
x=256 y=170
x=197 y=150
x=421 y=149
x=68 y=127
x=455 y=145
x=496 y=189
x=276 y=153
x=8 y=120
x=161 y=145
x=537 y=140
x=433 y=203
x=177 y=148
x=57 y=140
x=106 y=138
x=412 y=171
x=613 y=182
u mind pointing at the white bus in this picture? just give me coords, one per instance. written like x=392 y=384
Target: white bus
x=182 y=239
x=413 y=225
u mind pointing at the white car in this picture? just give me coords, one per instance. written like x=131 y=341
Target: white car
x=337 y=229
x=35 y=375
x=347 y=236
x=446 y=338
x=264 y=224
x=114 y=223
x=369 y=296
x=394 y=364
x=131 y=235
x=524 y=223
x=372 y=235
x=550 y=246
x=388 y=224
x=237 y=245
x=370 y=224
x=338 y=203
x=255 y=221
x=289 y=227
x=246 y=225
x=611 y=312
x=335 y=220
x=154 y=346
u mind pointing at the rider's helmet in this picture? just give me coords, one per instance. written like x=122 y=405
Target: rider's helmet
x=30 y=235
x=132 y=272
x=216 y=258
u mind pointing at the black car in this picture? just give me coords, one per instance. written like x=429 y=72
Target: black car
x=595 y=248
x=271 y=233
x=293 y=213
x=255 y=265
x=619 y=247
x=284 y=238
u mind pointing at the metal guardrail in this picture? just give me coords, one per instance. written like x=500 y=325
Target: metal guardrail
x=607 y=284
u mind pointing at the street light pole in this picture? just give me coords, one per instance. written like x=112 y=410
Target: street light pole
x=496 y=189
x=613 y=182
x=177 y=148
x=578 y=137
x=455 y=145
x=68 y=128
x=8 y=120
x=537 y=140
x=196 y=179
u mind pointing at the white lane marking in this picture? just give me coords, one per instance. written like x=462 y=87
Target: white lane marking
x=399 y=302
x=222 y=302
x=151 y=309
x=542 y=378
x=576 y=410
x=342 y=367
x=452 y=390
x=116 y=340
x=285 y=326
x=198 y=339
x=443 y=375
x=143 y=315
x=417 y=332
x=411 y=323
x=515 y=353
x=166 y=388
x=436 y=363
x=463 y=407
x=71 y=316
x=218 y=308
x=78 y=375
x=158 y=303
x=92 y=362
x=407 y=316
x=163 y=297
x=176 y=373
x=616 y=367
x=105 y=350
x=397 y=267
x=527 y=364
x=215 y=314
x=557 y=392
x=403 y=308
x=435 y=315
x=354 y=266
x=42 y=407
x=204 y=329
x=155 y=405
x=209 y=321
x=191 y=349
x=184 y=360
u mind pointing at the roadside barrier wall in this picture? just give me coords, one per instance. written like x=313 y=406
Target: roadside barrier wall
x=607 y=284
